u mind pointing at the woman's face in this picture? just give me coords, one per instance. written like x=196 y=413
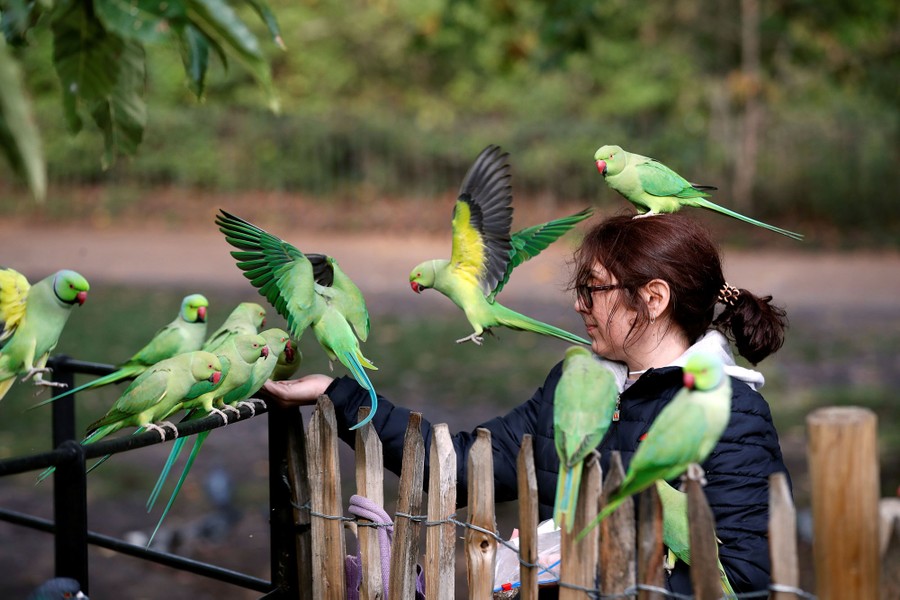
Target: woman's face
x=609 y=320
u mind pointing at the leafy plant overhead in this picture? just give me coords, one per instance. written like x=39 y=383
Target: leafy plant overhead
x=99 y=57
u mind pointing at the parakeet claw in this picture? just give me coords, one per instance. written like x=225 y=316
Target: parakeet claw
x=39 y=372
x=161 y=429
x=220 y=413
x=695 y=473
x=234 y=409
x=474 y=338
x=44 y=382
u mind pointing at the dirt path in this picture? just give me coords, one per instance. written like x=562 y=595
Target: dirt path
x=380 y=265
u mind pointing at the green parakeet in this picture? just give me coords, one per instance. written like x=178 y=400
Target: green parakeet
x=32 y=318
x=184 y=334
x=308 y=291
x=484 y=253
x=683 y=434
x=238 y=354
x=156 y=394
x=676 y=531
x=655 y=188
x=583 y=407
x=247 y=317
x=278 y=343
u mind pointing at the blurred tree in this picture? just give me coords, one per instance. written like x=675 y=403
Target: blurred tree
x=99 y=58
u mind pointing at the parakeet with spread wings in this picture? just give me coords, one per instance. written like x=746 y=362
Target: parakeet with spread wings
x=484 y=253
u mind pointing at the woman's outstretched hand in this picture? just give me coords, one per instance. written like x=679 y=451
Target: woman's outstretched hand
x=298 y=392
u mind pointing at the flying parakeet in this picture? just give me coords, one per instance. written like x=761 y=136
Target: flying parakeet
x=484 y=253
x=583 y=407
x=31 y=321
x=308 y=291
x=677 y=534
x=247 y=317
x=184 y=334
x=156 y=394
x=277 y=343
x=683 y=434
x=655 y=188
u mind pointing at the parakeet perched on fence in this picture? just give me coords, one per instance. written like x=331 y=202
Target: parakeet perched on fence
x=583 y=407
x=682 y=435
x=184 y=334
x=247 y=317
x=654 y=188
x=484 y=253
x=32 y=318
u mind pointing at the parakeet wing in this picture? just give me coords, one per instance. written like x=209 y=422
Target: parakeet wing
x=143 y=393
x=660 y=454
x=531 y=241
x=482 y=218
x=659 y=180
x=347 y=297
x=13 y=294
x=281 y=272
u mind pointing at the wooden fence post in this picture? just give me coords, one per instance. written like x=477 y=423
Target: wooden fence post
x=705 y=578
x=298 y=481
x=481 y=547
x=579 y=560
x=650 y=544
x=528 y=520
x=405 y=547
x=440 y=540
x=618 y=541
x=369 y=484
x=325 y=485
x=843 y=468
x=783 y=536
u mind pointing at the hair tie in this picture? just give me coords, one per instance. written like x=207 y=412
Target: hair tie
x=728 y=294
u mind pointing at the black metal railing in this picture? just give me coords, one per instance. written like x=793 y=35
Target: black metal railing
x=70 y=515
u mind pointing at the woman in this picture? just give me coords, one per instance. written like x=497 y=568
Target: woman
x=650 y=290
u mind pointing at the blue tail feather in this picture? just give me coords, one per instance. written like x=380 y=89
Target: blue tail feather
x=359 y=374
x=201 y=437
x=177 y=445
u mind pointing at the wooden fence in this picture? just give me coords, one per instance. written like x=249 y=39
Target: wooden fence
x=844 y=478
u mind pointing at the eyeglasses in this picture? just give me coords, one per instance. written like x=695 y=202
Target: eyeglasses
x=585 y=293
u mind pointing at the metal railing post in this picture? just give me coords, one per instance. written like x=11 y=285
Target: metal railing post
x=283 y=544
x=69 y=486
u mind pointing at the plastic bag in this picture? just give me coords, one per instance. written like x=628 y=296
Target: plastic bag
x=506 y=569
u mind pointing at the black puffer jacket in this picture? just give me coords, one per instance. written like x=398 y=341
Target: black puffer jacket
x=737 y=471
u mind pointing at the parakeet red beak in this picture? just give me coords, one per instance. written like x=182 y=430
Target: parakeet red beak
x=80 y=297
x=601 y=166
x=264 y=352
x=415 y=287
x=689 y=380
x=201 y=313
x=215 y=377
x=289 y=353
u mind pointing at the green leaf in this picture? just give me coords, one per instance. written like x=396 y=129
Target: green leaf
x=122 y=115
x=268 y=17
x=195 y=56
x=218 y=21
x=19 y=136
x=85 y=57
x=147 y=21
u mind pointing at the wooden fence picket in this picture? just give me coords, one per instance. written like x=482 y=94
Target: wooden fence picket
x=325 y=498
x=370 y=484
x=783 y=536
x=405 y=547
x=481 y=547
x=298 y=481
x=705 y=578
x=528 y=521
x=440 y=540
x=618 y=540
x=650 y=544
x=580 y=560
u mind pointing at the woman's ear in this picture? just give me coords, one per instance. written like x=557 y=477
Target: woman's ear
x=657 y=296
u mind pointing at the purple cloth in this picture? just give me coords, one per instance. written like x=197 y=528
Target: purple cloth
x=361 y=506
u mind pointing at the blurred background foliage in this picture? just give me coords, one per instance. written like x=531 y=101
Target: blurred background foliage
x=790 y=107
